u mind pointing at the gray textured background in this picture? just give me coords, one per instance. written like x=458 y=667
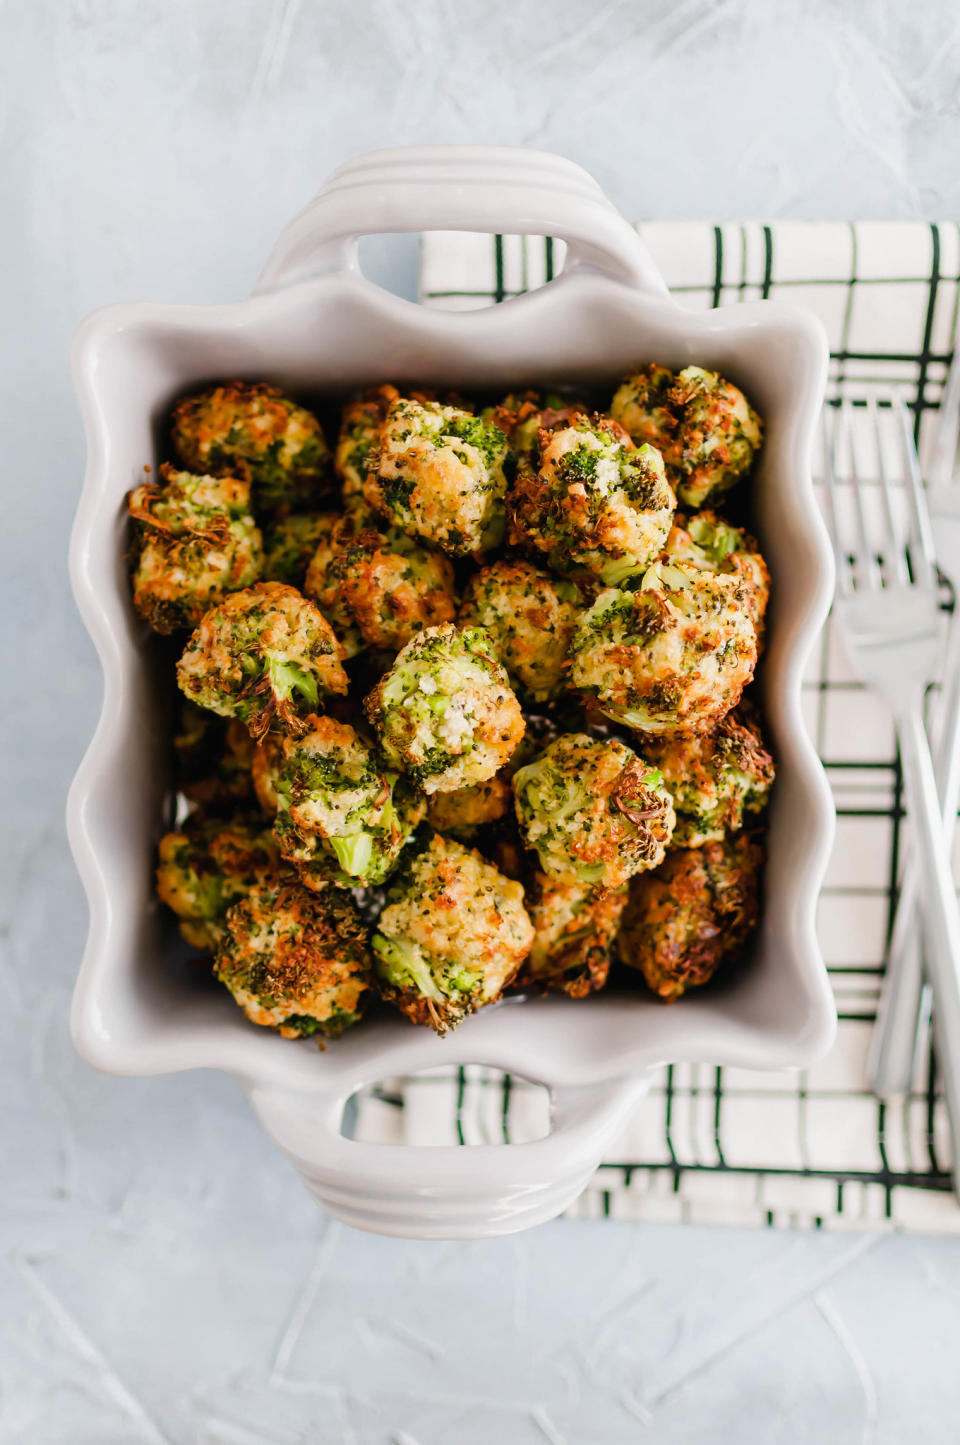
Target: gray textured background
x=162 y=1275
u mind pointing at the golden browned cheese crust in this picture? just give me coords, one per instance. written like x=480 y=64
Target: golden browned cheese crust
x=574 y=928
x=693 y=915
x=438 y=473
x=641 y=404
x=463 y=811
x=718 y=435
x=591 y=503
x=445 y=713
x=715 y=778
x=208 y=864
x=593 y=810
x=531 y=617
x=453 y=938
x=394 y=593
x=709 y=541
x=255 y=431
x=382 y=588
x=669 y=659
x=196 y=541
x=702 y=425
x=296 y=961
x=264 y=655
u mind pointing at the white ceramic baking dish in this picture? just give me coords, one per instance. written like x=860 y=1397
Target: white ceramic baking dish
x=315 y=324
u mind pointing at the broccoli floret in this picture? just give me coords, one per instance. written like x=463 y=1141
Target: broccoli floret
x=290 y=542
x=521 y=417
x=381 y=588
x=672 y=657
x=531 y=617
x=704 y=427
x=357 y=445
x=574 y=929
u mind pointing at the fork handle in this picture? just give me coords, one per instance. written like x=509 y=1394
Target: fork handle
x=941 y=916
x=902 y=1017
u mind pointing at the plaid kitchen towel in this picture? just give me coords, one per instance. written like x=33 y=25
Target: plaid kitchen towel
x=713 y=1145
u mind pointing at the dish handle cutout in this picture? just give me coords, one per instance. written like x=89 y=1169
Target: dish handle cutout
x=489 y=189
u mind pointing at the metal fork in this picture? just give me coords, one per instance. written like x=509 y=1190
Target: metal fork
x=887 y=607
x=904 y=1015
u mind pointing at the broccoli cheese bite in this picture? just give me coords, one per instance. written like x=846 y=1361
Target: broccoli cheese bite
x=591 y=503
x=196 y=540
x=444 y=713
x=265 y=656
x=593 y=810
x=290 y=542
x=360 y=423
x=472 y=812
x=252 y=430
x=208 y=864
x=296 y=961
x=692 y=915
x=706 y=430
x=641 y=404
x=381 y=588
x=574 y=928
x=671 y=658
x=321 y=582
x=521 y=415
x=715 y=779
x=342 y=818
x=453 y=935
x=531 y=618
x=438 y=473
x=462 y=813
x=714 y=544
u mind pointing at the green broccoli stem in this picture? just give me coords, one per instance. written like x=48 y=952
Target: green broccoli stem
x=354 y=853
x=286 y=678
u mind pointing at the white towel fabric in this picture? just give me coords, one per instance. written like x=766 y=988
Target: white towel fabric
x=727 y=1145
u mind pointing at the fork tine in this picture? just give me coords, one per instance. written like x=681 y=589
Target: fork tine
x=923 y=557
x=829 y=429
x=867 y=569
x=894 y=558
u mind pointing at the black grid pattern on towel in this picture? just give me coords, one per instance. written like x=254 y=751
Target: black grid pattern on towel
x=814 y=1148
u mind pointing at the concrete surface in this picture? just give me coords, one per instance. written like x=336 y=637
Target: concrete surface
x=162 y=1275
